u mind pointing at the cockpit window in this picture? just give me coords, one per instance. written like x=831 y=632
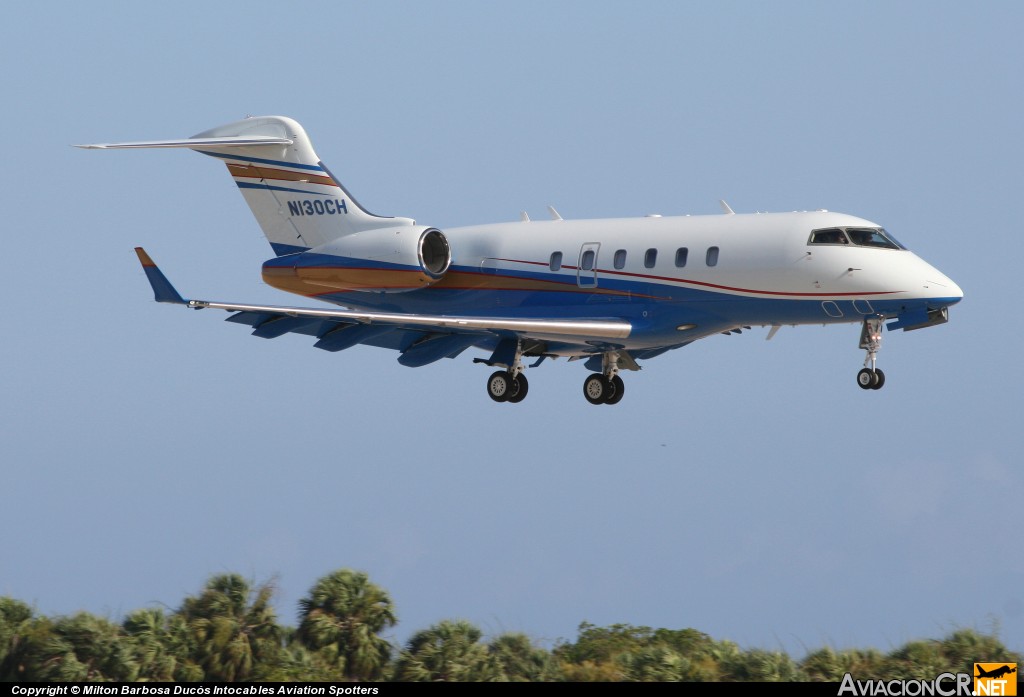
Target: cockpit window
x=832 y=235
x=859 y=236
x=873 y=237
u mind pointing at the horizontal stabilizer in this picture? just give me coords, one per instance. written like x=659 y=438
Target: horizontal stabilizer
x=222 y=142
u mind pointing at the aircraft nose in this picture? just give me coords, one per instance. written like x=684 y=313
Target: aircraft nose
x=945 y=291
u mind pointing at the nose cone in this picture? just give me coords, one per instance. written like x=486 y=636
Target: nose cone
x=943 y=291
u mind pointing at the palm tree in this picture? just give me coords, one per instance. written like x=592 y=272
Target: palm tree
x=343 y=616
x=447 y=652
x=79 y=648
x=159 y=654
x=231 y=628
x=519 y=660
x=656 y=663
x=15 y=617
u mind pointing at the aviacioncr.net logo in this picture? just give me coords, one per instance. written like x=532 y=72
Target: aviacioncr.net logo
x=995 y=679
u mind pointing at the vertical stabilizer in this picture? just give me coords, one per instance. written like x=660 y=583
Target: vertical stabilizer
x=296 y=200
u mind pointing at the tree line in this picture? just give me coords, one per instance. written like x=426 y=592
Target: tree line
x=230 y=632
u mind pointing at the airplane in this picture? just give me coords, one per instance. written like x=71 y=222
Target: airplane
x=995 y=673
x=610 y=292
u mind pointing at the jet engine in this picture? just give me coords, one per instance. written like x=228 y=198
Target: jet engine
x=384 y=260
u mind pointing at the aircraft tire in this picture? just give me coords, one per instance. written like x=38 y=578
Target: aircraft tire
x=879 y=380
x=596 y=388
x=866 y=378
x=618 y=390
x=520 y=386
x=498 y=386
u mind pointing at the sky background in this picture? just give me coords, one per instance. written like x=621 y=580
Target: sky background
x=745 y=488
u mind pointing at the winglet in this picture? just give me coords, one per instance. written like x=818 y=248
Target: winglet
x=163 y=291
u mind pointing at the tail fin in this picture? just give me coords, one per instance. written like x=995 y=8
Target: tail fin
x=296 y=200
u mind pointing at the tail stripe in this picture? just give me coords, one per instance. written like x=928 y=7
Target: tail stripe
x=249 y=172
x=268 y=187
x=278 y=163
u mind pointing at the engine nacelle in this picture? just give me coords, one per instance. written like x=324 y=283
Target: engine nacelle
x=385 y=260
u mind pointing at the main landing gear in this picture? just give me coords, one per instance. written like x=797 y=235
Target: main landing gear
x=599 y=389
x=607 y=387
x=870 y=377
x=507 y=386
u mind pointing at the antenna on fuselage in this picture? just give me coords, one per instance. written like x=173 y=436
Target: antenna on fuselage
x=524 y=217
x=725 y=207
x=554 y=213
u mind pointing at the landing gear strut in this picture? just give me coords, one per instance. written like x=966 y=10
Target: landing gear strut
x=870 y=377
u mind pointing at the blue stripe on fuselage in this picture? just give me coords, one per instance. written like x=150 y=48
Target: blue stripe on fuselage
x=656 y=310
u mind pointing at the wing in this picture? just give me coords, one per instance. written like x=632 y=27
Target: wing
x=420 y=338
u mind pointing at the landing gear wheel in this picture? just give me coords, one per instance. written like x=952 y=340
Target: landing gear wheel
x=596 y=388
x=879 y=380
x=618 y=390
x=867 y=379
x=520 y=386
x=499 y=386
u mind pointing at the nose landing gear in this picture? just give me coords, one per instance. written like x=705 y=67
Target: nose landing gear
x=870 y=377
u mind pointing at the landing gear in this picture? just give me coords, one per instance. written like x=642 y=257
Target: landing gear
x=870 y=377
x=620 y=390
x=503 y=386
x=499 y=386
x=599 y=389
x=520 y=386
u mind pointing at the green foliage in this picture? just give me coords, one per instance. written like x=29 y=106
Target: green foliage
x=518 y=660
x=449 y=651
x=15 y=617
x=229 y=631
x=342 y=618
x=230 y=628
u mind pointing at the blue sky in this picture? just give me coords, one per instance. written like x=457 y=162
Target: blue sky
x=744 y=488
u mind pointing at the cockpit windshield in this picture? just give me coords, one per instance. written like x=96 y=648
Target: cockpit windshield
x=873 y=237
x=858 y=236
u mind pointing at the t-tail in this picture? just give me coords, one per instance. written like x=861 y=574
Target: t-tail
x=298 y=203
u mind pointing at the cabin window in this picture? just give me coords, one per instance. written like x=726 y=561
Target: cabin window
x=556 y=261
x=873 y=237
x=620 y=259
x=587 y=260
x=832 y=235
x=712 y=256
x=681 y=255
x=650 y=258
